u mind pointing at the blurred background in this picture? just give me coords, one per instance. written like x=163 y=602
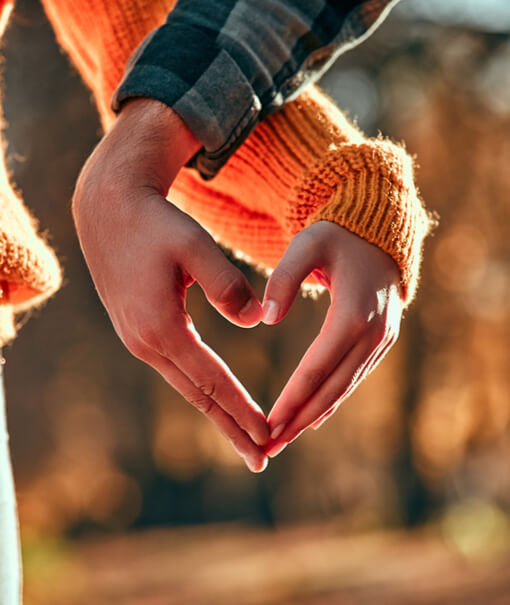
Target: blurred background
x=127 y=495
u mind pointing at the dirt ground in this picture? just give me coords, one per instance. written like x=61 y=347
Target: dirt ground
x=242 y=566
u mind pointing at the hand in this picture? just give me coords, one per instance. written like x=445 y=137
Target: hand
x=143 y=253
x=361 y=325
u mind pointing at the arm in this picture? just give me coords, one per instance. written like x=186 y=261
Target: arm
x=336 y=175
x=225 y=66
x=243 y=208
x=29 y=274
x=29 y=270
x=143 y=254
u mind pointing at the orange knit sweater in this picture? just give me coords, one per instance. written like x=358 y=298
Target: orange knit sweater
x=29 y=270
x=303 y=164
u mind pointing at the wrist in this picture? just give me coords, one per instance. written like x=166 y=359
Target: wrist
x=159 y=141
x=144 y=149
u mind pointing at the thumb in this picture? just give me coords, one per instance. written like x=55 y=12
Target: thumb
x=300 y=259
x=224 y=285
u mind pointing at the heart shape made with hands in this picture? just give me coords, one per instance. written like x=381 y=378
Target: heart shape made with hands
x=360 y=326
x=142 y=263
x=144 y=252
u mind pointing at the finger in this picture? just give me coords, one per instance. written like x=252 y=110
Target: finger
x=252 y=454
x=224 y=285
x=379 y=355
x=211 y=376
x=302 y=256
x=336 y=338
x=346 y=375
x=372 y=362
x=318 y=423
x=370 y=365
x=173 y=336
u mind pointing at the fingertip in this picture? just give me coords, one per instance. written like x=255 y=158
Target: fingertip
x=271 y=312
x=280 y=416
x=261 y=436
x=277 y=431
x=263 y=466
x=275 y=449
x=251 y=313
x=256 y=466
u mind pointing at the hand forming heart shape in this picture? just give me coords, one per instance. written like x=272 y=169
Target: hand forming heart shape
x=361 y=325
x=143 y=253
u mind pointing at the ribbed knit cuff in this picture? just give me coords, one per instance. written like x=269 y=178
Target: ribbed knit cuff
x=307 y=163
x=365 y=185
x=374 y=197
x=27 y=264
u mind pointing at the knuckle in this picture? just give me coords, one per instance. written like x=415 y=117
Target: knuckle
x=208 y=389
x=358 y=324
x=306 y=237
x=316 y=240
x=203 y=403
x=135 y=347
x=282 y=278
x=316 y=377
x=149 y=335
x=167 y=340
x=230 y=287
x=192 y=239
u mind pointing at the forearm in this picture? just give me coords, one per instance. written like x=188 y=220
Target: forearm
x=167 y=145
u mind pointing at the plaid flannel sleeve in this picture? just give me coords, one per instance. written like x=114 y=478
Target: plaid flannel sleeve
x=224 y=65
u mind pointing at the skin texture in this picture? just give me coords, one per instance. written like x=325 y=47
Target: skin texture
x=361 y=325
x=143 y=253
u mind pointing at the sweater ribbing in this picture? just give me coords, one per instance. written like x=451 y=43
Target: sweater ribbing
x=302 y=164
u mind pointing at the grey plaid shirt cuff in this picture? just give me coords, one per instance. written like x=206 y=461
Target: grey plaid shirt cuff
x=224 y=65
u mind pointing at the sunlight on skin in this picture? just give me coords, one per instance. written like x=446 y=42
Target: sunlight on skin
x=126 y=167
x=360 y=327
x=362 y=281
x=225 y=366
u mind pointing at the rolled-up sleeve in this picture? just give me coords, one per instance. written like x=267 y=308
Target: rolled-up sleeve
x=224 y=65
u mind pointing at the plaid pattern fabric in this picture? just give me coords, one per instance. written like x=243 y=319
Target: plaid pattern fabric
x=224 y=65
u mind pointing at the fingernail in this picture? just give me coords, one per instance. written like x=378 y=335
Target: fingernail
x=276 y=449
x=251 y=311
x=258 y=440
x=277 y=431
x=271 y=312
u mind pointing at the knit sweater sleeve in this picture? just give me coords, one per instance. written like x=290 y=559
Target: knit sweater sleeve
x=307 y=163
x=29 y=270
x=303 y=163
x=225 y=65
